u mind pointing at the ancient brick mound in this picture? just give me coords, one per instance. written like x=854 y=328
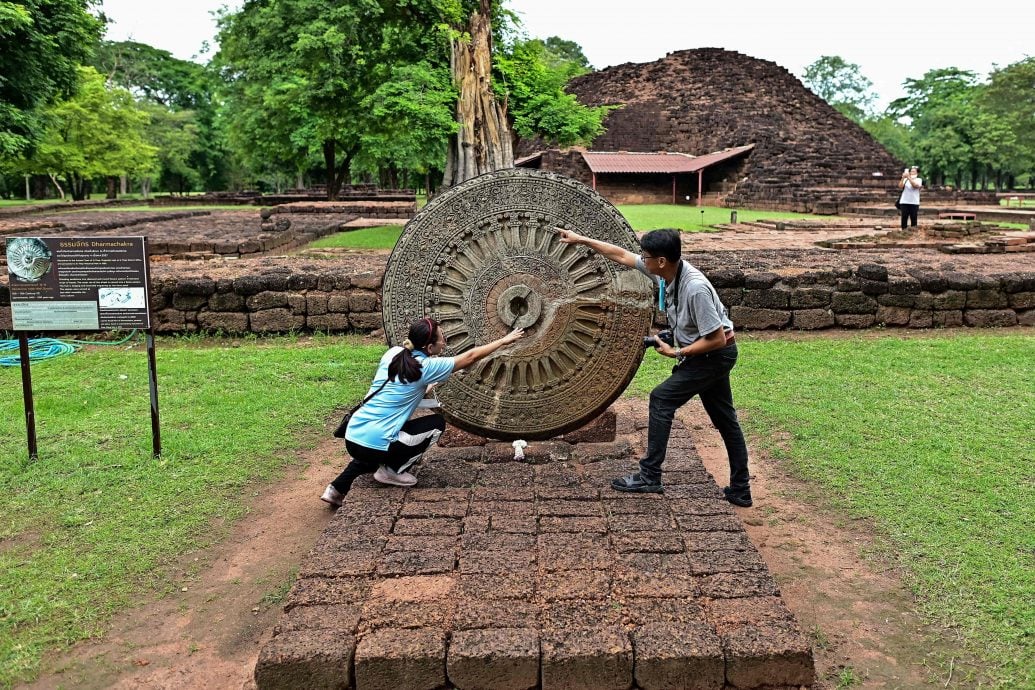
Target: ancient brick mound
x=807 y=157
x=492 y=573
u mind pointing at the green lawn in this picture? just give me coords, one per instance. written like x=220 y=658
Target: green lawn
x=381 y=237
x=163 y=209
x=22 y=202
x=640 y=217
x=90 y=527
x=931 y=439
x=927 y=436
x=685 y=217
x=1024 y=202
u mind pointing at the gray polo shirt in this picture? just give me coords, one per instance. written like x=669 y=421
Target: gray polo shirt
x=697 y=310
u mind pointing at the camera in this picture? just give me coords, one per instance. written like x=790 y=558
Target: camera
x=665 y=336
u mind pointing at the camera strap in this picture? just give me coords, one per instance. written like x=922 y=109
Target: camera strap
x=675 y=287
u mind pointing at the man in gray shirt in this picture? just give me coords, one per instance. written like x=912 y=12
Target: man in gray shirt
x=704 y=348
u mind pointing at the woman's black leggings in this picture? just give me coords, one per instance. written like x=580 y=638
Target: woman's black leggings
x=416 y=436
x=909 y=212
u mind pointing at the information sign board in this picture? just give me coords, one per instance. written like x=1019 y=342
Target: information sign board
x=78 y=284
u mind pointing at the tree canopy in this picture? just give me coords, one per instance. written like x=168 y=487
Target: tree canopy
x=98 y=132
x=42 y=43
x=330 y=89
x=842 y=85
x=961 y=130
x=367 y=85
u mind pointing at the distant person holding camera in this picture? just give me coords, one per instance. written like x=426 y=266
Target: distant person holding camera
x=705 y=353
x=909 y=201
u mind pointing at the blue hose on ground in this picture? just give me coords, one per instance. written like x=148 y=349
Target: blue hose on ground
x=48 y=348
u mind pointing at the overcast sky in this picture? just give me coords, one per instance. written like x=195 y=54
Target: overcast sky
x=890 y=43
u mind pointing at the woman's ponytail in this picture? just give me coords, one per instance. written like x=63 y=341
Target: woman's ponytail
x=404 y=366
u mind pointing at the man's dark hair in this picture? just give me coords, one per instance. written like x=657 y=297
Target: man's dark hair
x=664 y=243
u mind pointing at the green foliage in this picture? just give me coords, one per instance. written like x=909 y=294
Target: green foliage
x=1010 y=97
x=42 y=43
x=370 y=80
x=414 y=109
x=561 y=53
x=183 y=113
x=896 y=137
x=532 y=77
x=941 y=106
x=175 y=135
x=99 y=131
x=965 y=131
x=299 y=76
x=96 y=523
x=842 y=85
x=153 y=74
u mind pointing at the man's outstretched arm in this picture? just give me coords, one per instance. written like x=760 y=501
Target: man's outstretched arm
x=610 y=251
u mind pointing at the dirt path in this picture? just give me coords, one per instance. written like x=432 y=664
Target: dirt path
x=858 y=613
x=209 y=636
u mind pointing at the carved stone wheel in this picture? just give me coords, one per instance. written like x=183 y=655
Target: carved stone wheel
x=484 y=258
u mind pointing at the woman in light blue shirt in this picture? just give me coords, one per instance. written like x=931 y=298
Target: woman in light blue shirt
x=381 y=436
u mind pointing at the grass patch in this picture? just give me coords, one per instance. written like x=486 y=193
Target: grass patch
x=931 y=439
x=380 y=237
x=92 y=525
x=22 y=202
x=1024 y=201
x=640 y=217
x=162 y=209
x=685 y=217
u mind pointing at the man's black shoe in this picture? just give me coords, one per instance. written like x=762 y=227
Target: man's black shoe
x=738 y=498
x=637 y=484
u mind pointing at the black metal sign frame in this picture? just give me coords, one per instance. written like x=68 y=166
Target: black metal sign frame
x=99 y=282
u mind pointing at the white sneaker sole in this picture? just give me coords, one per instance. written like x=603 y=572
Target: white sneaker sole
x=383 y=479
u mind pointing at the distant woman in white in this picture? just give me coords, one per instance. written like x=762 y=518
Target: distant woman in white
x=909 y=202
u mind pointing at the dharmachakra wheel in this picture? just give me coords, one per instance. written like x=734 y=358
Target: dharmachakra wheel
x=483 y=258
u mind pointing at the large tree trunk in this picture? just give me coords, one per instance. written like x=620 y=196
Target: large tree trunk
x=57 y=185
x=483 y=143
x=78 y=187
x=336 y=176
x=112 y=187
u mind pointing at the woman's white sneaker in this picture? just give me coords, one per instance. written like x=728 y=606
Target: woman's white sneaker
x=332 y=496
x=386 y=475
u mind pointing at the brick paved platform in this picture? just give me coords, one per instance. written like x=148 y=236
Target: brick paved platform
x=492 y=573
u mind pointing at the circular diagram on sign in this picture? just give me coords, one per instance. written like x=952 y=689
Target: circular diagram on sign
x=28 y=258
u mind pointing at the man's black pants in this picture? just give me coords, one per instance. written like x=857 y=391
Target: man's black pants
x=706 y=375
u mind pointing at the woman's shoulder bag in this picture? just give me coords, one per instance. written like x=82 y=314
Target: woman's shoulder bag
x=340 y=431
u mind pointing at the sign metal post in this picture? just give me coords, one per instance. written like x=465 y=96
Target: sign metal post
x=80 y=284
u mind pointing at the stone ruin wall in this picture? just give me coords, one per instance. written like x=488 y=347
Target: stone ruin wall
x=807 y=157
x=280 y=228
x=284 y=300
